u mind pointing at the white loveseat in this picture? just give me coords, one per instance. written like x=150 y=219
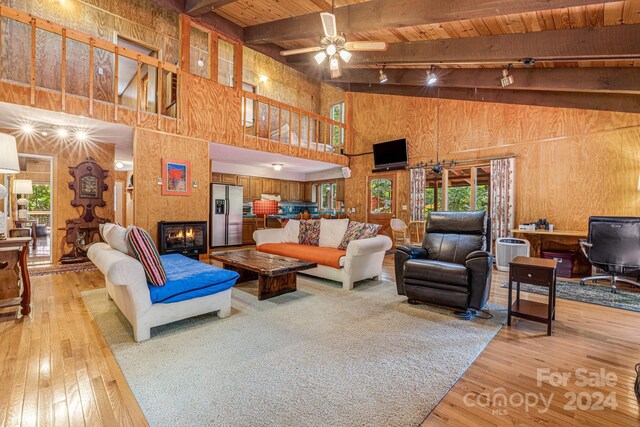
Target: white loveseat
x=362 y=260
x=127 y=286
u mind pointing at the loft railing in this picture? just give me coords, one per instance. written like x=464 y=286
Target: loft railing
x=271 y=121
x=104 y=61
x=151 y=89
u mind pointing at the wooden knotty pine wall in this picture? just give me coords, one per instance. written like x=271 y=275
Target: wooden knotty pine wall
x=572 y=163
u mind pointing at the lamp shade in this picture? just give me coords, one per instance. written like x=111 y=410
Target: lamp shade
x=8 y=154
x=22 y=186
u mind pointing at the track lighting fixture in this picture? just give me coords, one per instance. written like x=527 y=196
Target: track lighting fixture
x=383 y=76
x=26 y=128
x=432 y=78
x=507 y=79
x=62 y=132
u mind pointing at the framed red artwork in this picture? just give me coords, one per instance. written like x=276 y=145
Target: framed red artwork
x=176 y=176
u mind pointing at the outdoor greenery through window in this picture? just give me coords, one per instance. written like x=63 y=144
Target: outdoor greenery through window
x=460 y=194
x=40 y=204
x=381 y=195
x=337 y=133
x=327 y=196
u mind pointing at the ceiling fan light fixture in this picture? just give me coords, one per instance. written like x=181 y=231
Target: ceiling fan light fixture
x=334 y=64
x=336 y=73
x=345 y=55
x=331 y=49
x=320 y=57
x=383 y=77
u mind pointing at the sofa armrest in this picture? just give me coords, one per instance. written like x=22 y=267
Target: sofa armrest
x=268 y=235
x=368 y=246
x=480 y=265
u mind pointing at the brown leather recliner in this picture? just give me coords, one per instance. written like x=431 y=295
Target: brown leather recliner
x=453 y=266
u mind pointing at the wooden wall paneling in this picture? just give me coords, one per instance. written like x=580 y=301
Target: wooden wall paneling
x=33 y=61
x=63 y=71
x=561 y=151
x=150 y=147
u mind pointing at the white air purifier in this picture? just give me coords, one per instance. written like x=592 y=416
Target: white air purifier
x=507 y=248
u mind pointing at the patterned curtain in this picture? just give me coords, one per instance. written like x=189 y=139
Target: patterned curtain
x=418 y=184
x=502 y=197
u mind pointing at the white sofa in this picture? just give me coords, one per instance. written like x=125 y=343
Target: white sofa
x=363 y=259
x=127 y=286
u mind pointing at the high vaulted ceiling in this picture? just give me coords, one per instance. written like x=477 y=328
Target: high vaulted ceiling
x=563 y=37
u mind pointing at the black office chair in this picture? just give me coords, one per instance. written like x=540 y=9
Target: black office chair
x=613 y=245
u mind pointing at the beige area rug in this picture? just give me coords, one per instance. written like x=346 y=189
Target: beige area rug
x=320 y=356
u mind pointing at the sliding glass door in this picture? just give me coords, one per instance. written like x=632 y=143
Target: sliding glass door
x=459 y=189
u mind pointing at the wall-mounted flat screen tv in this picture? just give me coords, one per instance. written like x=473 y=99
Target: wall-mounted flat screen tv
x=390 y=155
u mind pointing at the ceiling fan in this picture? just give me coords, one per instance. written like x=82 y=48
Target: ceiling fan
x=335 y=47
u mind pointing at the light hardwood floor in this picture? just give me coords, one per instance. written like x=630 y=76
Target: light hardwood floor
x=56 y=369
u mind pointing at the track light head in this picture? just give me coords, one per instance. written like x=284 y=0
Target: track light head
x=432 y=78
x=383 y=76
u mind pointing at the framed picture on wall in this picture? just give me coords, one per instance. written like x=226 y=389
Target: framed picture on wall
x=176 y=176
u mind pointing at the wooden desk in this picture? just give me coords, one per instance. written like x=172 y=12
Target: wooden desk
x=537 y=236
x=534 y=271
x=14 y=274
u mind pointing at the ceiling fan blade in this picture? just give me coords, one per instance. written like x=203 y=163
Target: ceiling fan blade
x=299 y=51
x=365 y=45
x=329 y=24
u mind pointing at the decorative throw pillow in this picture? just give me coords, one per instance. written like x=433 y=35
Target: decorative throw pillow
x=144 y=250
x=369 y=231
x=291 y=232
x=115 y=237
x=353 y=231
x=332 y=231
x=359 y=231
x=309 y=232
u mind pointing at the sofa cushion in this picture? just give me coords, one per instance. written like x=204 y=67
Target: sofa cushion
x=359 y=230
x=188 y=279
x=309 y=232
x=331 y=257
x=437 y=271
x=115 y=236
x=332 y=231
x=144 y=250
x=291 y=232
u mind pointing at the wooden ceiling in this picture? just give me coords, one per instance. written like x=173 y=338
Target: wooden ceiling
x=461 y=35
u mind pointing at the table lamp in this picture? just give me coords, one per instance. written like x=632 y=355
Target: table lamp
x=22 y=187
x=8 y=164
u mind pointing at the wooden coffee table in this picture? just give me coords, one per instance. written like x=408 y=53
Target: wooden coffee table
x=276 y=274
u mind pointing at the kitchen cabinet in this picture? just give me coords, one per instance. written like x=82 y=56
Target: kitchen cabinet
x=216 y=178
x=276 y=186
x=248 y=227
x=229 y=179
x=243 y=181
x=285 y=191
x=266 y=186
x=308 y=192
x=255 y=185
x=296 y=191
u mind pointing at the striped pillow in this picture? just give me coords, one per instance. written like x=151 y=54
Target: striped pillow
x=144 y=250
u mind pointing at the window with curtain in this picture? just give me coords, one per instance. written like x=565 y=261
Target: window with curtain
x=467 y=189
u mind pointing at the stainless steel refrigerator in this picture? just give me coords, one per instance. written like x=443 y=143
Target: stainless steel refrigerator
x=226 y=215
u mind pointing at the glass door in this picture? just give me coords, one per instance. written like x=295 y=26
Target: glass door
x=381 y=200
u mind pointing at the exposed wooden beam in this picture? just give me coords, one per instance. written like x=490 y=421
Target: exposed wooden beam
x=586 y=101
x=173 y=5
x=617 y=41
x=380 y=14
x=200 y=7
x=608 y=80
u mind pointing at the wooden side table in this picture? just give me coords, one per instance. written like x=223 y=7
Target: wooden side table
x=534 y=271
x=14 y=274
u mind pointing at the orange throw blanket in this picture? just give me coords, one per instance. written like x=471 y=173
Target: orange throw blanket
x=322 y=256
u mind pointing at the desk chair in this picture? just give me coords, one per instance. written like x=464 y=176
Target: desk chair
x=613 y=245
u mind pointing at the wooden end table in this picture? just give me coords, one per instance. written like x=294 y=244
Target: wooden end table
x=14 y=274
x=534 y=271
x=276 y=274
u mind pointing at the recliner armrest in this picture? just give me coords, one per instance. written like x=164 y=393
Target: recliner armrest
x=414 y=252
x=478 y=254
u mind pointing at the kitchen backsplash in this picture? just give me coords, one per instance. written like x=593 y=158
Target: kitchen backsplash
x=293 y=208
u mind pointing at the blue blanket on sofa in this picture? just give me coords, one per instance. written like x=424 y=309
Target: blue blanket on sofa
x=188 y=278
